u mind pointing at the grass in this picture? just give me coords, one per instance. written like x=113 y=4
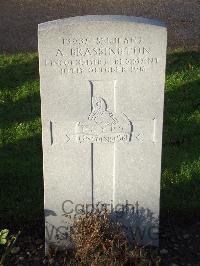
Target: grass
x=180 y=191
x=20 y=136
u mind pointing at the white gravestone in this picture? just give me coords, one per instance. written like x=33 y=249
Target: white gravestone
x=102 y=90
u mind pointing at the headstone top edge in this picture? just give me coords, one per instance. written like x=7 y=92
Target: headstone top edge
x=101 y=18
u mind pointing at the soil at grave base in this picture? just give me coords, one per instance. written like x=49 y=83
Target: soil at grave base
x=19 y=19
x=180 y=244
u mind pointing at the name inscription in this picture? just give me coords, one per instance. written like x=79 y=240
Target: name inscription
x=101 y=55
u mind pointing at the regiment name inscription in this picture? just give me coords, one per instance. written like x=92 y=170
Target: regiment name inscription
x=101 y=55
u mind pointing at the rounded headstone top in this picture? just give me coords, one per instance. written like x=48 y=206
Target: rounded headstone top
x=101 y=18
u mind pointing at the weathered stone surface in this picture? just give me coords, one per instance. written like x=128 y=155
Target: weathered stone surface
x=102 y=90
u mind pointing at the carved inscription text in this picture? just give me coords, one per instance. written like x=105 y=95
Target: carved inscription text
x=101 y=55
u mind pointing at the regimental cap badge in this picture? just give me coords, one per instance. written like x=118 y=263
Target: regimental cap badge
x=103 y=126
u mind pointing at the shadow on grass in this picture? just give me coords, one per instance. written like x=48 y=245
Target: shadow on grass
x=17 y=70
x=21 y=179
x=25 y=109
x=21 y=182
x=181 y=60
x=181 y=122
x=181 y=141
x=19 y=87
